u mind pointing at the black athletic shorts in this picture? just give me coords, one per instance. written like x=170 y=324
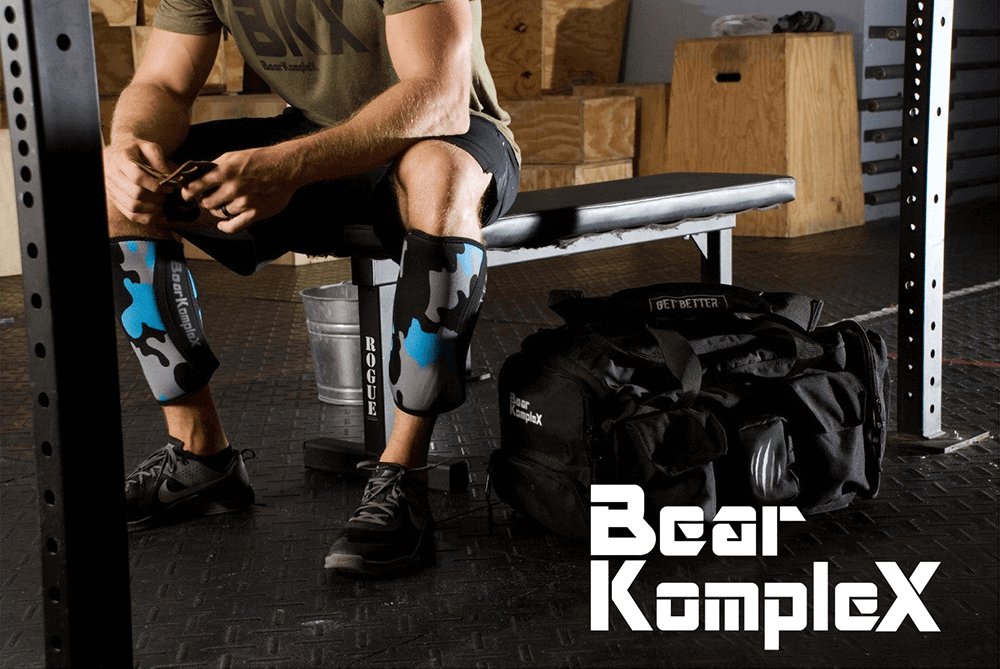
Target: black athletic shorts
x=356 y=215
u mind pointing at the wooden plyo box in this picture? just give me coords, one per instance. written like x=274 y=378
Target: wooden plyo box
x=217 y=107
x=537 y=177
x=115 y=12
x=772 y=104
x=573 y=129
x=536 y=45
x=650 y=121
x=118 y=50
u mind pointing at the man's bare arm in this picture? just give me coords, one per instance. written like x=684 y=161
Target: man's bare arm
x=431 y=49
x=151 y=119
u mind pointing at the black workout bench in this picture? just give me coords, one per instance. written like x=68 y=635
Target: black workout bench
x=546 y=224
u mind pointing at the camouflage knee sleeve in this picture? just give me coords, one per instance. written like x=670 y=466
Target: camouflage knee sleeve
x=157 y=306
x=440 y=289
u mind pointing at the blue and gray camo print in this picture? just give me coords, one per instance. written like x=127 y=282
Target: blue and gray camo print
x=157 y=304
x=442 y=281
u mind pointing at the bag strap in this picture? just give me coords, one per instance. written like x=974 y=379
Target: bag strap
x=681 y=360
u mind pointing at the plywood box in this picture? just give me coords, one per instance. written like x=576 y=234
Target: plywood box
x=234 y=65
x=772 y=104
x=114 y=12
x=512 y=37
x=650 y=121
x=118 y=51
x=149 y=8
x=107 y=107
x=292 y=258
x=536 y=177
x=216 y=107
x=10 y=246
x=536 y=45
x=572 y=129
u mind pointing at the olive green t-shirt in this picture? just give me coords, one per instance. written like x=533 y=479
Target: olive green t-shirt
x=326 y=57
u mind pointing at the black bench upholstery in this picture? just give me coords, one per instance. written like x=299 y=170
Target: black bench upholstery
x=549 y=223
x=556 y=215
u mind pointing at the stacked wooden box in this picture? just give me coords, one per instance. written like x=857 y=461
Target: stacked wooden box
x=773 y=104
x=555 y=64
x=10 y=248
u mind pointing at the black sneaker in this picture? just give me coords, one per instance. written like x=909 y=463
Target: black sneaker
x=390 y=533
x=172 y=483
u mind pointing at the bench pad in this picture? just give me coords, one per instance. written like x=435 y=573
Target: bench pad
x=553 y=216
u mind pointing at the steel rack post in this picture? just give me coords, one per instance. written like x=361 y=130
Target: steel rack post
x=923 y=186
x=51 y=88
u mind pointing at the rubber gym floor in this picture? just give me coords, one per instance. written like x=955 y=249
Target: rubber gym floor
x=249 y=590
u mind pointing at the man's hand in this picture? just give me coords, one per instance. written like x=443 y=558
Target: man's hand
x=134 y=192
x=246 y=186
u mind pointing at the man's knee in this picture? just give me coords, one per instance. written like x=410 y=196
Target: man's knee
x=440 y=189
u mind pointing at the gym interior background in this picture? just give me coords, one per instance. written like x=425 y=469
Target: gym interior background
x=249 y=589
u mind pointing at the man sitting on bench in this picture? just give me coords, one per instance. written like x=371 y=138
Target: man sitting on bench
x=393 y=121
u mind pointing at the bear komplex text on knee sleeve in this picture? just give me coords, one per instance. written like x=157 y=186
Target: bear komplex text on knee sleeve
x=442 y=281
x=156 y=302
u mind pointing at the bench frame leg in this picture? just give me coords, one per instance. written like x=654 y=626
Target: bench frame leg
x=716 y=255
x=376 y=282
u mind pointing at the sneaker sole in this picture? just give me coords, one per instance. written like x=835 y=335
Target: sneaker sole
x=357 y=565
x=194 y=506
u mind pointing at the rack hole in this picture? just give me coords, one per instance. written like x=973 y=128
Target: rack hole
x=28 y=199
x=50 y=497
x=26 y=174
x=23 y=148
x=12 y=42
x=46 y=449
x=15 y=69
x=63 y=42
x=52 y=546
x=54 y=594
x=21 y=122
x=728 y=77
x=9 y=14
x=40 y=350
x=18 y=95
x=36 y=300
x=56 y=642
x=43 y=400
x=32 y=250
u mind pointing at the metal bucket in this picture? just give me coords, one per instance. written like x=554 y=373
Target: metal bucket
x=332 y=321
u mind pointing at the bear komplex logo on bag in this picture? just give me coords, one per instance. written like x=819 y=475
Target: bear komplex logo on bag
x=619 y=529
x=521 y=409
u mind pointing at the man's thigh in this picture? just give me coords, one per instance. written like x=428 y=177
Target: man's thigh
x=353 y=215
